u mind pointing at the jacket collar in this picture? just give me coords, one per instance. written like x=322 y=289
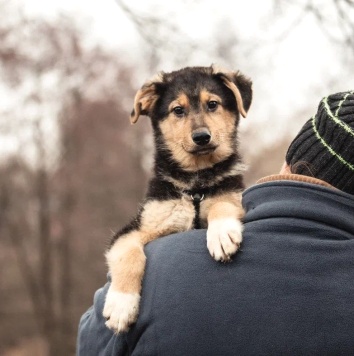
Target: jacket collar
x=295 y=177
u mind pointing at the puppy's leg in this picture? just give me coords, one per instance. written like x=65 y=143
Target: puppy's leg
x=126 y=262
x=126 y=258
x=224 y=235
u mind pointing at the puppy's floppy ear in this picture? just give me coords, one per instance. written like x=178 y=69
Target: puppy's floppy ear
x=145 y=98
x=240 y=85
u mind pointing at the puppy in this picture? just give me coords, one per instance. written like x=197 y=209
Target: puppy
x=197 y=181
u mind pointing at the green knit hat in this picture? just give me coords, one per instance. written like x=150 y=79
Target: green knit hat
x=324 y=147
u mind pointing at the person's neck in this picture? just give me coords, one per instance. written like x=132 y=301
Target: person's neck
x=295 y=177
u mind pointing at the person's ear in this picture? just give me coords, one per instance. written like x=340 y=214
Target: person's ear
x=285 y=169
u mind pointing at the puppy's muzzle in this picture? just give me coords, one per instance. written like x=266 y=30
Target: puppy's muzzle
x=201 y=137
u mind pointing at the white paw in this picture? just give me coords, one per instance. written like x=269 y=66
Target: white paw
x=120 y=310
x=224 y=237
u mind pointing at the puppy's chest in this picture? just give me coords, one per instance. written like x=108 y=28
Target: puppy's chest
x=173 y=215
x=173 y=205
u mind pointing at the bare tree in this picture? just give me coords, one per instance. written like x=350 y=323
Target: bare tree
x=63 y=190
x=335 y=18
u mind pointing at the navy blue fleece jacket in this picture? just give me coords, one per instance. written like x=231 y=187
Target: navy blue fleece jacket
x=289 y=291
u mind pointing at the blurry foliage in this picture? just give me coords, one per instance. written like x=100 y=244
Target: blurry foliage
x=75 y=177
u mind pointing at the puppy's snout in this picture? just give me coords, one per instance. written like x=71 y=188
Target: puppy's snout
x=201 y=137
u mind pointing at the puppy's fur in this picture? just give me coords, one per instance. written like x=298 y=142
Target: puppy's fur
x=197 y=178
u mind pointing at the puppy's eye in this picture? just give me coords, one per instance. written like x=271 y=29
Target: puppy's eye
x=179 y=111
x=212 y=105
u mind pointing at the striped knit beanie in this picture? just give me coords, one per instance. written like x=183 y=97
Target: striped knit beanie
x=324 y=147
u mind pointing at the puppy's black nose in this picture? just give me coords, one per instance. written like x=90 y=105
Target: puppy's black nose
x=201 y=138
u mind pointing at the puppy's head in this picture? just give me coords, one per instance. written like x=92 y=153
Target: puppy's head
x=195 y=113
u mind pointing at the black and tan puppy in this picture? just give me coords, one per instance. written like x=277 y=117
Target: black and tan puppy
x=197 y=178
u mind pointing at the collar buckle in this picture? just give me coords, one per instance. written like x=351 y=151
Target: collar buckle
x=197 y=198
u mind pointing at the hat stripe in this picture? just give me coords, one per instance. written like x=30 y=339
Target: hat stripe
x=334 y=117
x=324 y=143
x=342 y=101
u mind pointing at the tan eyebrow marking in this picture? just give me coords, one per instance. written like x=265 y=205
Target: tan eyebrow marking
x=206 y=96
x=182 y=100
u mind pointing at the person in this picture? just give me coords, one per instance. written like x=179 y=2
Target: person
x=288 y=291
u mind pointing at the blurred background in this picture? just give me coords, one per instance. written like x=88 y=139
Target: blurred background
x=72 y=169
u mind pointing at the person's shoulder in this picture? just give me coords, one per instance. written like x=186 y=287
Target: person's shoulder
x=191 y=239
x=178 y=251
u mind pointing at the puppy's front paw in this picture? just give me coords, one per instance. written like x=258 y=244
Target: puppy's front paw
x=224 y=237
x=120 y=310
